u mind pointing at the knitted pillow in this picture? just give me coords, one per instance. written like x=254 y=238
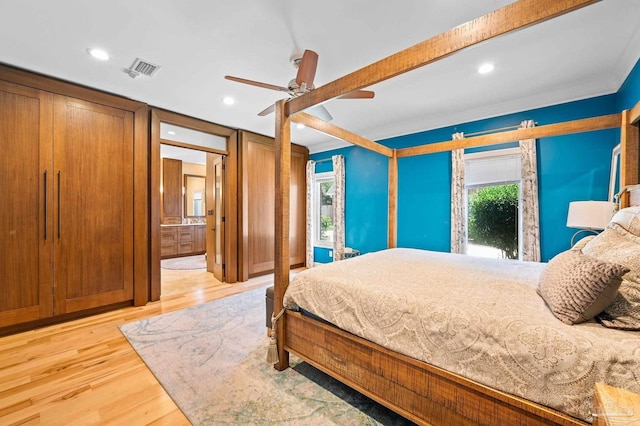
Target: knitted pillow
x=618 y=245
x=577 y=287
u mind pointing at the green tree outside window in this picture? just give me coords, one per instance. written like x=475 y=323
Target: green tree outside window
x=493 y=218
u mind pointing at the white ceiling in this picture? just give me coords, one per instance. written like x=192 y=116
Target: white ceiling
x=197 y=42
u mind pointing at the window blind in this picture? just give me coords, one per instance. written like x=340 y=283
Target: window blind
x=492 y=169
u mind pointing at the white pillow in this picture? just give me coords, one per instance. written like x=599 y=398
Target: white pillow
x=627 y=218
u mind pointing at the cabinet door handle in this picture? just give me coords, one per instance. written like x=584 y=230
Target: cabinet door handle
x=45 y=205
x=59 y=209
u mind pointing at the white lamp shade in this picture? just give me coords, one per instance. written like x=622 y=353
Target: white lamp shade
x=589 y=214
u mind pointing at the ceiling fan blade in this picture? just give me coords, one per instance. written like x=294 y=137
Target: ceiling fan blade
x=358 y=94
x=320 y=112
x=268 y=110
x=307 y=68
x=257 y=83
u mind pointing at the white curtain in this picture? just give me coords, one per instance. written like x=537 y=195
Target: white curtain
x=458 y=208
x=311 y=171
x=530 y=216
x=338 y=207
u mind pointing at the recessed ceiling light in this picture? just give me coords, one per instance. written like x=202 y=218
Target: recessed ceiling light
x=486 y=68
x=98 y=54
x=228 y=100
x=300 y=126
x=171 y=132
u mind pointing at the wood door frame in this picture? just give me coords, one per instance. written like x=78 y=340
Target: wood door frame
x=231 y=188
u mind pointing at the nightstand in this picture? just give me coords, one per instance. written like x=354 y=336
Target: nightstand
x=352 y=253
x=614 y=406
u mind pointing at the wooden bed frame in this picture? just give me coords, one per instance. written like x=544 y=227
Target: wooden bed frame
x=417 y=390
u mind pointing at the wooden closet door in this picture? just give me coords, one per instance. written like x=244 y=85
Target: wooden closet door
x=25 y=216
x=260 y=164
x=93 y=160
x=261 y=161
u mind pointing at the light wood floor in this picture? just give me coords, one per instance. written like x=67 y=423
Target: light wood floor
x=84 y=372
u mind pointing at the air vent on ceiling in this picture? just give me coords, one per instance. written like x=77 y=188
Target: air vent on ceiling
x=142 y=67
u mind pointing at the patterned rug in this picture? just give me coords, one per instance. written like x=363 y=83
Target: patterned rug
x=187 y=262
x=210 y=359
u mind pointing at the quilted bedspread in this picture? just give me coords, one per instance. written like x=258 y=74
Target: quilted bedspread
x=480 y=318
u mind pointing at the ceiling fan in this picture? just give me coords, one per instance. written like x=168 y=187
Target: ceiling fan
x=303 y=83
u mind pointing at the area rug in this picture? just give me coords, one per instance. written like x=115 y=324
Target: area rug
x=210 y=359
x=187 y=262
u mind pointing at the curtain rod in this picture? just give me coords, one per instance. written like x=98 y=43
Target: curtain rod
x=323 y=160
x=500 y=129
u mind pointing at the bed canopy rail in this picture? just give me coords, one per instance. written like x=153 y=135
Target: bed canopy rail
x=340 y=133
x=549 y=130
x=512 y=17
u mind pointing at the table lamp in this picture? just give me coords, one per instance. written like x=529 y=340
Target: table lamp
x=589 y=216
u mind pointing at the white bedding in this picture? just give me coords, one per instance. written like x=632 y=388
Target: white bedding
x=480 y=318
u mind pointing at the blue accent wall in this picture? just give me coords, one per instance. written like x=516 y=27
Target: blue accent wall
x=629 y=93
x=570 y=168
x=366 y=190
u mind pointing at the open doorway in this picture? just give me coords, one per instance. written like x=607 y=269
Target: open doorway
x=190 y=231
x=189 y=204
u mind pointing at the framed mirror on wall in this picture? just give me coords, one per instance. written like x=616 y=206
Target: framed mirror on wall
x=614 y=177
x=194 y=196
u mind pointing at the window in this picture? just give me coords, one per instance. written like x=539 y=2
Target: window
x=493 y=203
x=323 y=192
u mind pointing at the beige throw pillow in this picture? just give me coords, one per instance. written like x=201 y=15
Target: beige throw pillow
x=618 y=245
x=628 y=219
x=577 y=287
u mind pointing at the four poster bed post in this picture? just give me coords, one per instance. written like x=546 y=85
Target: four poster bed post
x=417 y=390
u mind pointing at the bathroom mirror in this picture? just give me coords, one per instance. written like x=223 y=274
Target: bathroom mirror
x=194 y=196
